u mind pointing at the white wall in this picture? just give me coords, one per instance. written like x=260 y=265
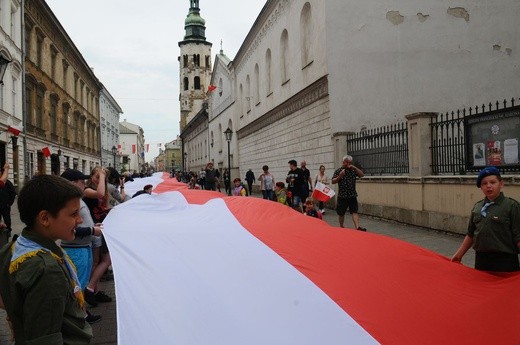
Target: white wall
x=436 y=59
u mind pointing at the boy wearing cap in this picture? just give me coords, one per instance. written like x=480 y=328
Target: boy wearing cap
x=494 y=227
x=38 y=282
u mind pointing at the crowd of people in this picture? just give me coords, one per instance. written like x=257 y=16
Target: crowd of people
x=49 y=274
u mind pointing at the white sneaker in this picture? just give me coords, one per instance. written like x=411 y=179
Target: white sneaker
x=322 y=211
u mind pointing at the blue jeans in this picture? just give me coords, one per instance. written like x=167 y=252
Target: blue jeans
x=268 y=194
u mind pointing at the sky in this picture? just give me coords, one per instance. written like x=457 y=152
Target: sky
x=133 y=48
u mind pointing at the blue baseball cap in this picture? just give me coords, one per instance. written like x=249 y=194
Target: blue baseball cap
x=488 y=171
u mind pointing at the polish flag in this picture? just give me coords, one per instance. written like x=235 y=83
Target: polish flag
x=46 y=152
x=14 y=130
x=322 y=192
x=211 y=88
x=264 y=274
x=147 y=147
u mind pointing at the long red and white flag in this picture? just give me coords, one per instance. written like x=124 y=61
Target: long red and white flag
x=194 y=267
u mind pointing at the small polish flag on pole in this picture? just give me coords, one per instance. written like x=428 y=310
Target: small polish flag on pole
x=322 y=192
x=46 y=152
x=14 y=130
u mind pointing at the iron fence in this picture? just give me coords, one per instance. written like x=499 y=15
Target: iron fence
x=381 y=151
x=448 y=143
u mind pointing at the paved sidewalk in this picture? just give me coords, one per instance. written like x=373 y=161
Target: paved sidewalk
x=105 y=331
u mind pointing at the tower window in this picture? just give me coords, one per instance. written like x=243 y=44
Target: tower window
x=186 y=84
x=197 y=83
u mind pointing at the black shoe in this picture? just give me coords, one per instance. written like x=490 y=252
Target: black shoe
x=102 y=297
x=91 y=318
x=361 y=229
x=90 y=298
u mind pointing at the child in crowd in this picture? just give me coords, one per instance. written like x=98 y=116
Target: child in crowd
x=146 y=190
x=280 y=193
x=193 y=184
x=38 y=283
x=239 y=188
x=494 y=227
x=310 y=210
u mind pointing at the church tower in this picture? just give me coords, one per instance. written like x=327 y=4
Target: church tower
x=195 y=65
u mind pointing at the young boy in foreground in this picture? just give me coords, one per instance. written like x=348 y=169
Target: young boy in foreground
x=494 y=227
x=38 y=283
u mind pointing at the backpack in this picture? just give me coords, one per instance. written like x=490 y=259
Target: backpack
x=243 y=186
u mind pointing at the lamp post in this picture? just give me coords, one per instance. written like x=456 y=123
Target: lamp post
x=114 y=152
x=229 y=134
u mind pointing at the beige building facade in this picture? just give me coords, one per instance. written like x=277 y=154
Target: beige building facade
x=61 y=98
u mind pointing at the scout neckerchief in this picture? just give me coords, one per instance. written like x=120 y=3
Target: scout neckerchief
x=24 y=248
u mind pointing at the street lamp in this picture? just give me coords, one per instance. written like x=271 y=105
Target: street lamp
x=229 y=134
x=114 y=152
x=3 y=66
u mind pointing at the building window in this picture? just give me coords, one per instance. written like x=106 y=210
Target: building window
x=54 y=54
x=39 y=50
x=186 y=84
x=208 y=62
x=197 y=83
x=257 y=84
x=185 y=61
x=39 y=108
x=65 y=66
x=268 y=71
x=29 y=98
x=196 y=60
x=52 y=114
x=248 y=93
x=13 y=96
x=305 y=32
x=284 y=51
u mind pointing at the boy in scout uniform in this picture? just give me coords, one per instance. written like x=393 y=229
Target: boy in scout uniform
x=38 y=282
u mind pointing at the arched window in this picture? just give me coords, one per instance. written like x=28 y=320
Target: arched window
x=241 y=101
x=257 y=84
x=284 y=51
x=186 y=84
x=220 y=87
x=221 y=137
x=197 y=83
x=248 y=93
x=305 y=34
x=268 y=71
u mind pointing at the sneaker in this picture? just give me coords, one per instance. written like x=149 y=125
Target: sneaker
x=102 y=297
x=91 y=318
x=90 y=298
x=322 y=211
x=361 y=229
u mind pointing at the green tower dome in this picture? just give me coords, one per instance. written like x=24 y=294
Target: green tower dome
x=194 y=24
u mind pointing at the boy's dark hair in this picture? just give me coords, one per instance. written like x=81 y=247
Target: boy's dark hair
x=265 y=168
x=280 y=185
x=293 y=162
x=237 y=180
x=45 y=192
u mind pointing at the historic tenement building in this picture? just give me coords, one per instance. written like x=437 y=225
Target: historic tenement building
x=310 y=72
x=61 y=98
x=131 y=139
x=110 y=113
x=11 y=104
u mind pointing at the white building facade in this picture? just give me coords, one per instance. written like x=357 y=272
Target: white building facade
x=309 y=72
x=110 y=113
x=11 y=101
x=131 y=138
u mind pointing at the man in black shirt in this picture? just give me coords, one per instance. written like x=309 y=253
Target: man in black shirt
x=295 y=184
x=346 y=177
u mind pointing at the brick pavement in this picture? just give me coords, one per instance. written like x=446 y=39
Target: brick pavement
x=105 y=331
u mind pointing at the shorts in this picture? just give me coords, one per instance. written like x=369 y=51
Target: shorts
x=496 y=262
x=82 y=259
x=346 y=203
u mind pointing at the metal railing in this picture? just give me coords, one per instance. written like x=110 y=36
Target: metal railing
x=381 y=151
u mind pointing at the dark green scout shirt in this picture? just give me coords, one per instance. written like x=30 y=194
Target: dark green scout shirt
x=499 y=230
x=40 y=300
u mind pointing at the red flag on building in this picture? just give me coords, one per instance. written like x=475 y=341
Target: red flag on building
x=211 y=88
x=147 y=147
x=46 y=152
x=134 y=148
x=14 y=130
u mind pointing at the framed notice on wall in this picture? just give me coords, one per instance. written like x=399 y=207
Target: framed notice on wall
x=493 y=139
